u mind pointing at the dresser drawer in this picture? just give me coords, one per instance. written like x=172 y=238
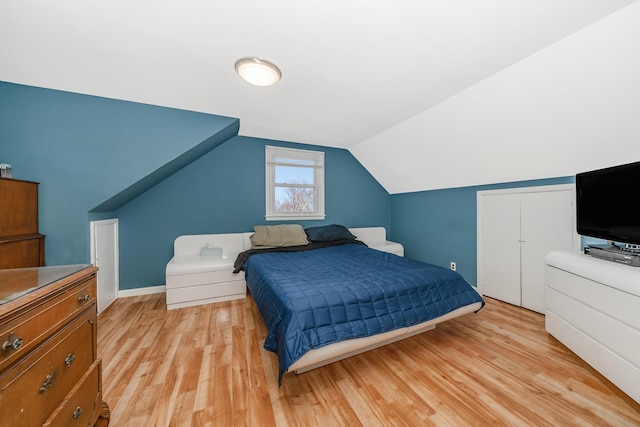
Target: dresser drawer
x=203 y=277
x=24 y=332
x=83 y=405
x=22 y=251
x=35 y=386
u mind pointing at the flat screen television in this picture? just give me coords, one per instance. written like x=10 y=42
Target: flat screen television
x=606 y=203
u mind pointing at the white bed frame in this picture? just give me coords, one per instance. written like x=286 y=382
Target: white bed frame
x=318 y=357
x=193 y=279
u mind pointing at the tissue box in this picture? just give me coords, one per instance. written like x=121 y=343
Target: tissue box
x=211 y=251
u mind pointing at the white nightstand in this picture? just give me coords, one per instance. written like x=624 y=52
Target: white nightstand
x=194 y=280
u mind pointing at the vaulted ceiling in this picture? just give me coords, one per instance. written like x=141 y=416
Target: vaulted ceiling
x=351 y=69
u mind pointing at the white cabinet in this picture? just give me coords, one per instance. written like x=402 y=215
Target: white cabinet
x=516 y=229
x=194 y=279
x=592 y=308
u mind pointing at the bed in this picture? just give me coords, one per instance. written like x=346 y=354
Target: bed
x=325 y=301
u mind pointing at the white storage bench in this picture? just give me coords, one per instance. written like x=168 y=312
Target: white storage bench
x=194 y=279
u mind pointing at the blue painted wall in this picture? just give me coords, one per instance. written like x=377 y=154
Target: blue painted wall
x=86 y=150
x=224 y=192
x=440 y=226
x=91 y=154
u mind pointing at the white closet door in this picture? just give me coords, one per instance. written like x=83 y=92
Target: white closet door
x=547 y=225
x=104 y=255
x=500 y=247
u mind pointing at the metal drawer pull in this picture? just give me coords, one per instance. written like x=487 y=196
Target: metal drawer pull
x=69 y=359
x=13 y=345
x=85 y=298
x=48 y=380
x=77 y=412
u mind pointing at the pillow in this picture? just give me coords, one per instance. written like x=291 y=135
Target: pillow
x=329 y=233
x=278 y=235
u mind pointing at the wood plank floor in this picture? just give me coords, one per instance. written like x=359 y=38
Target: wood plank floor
x=205 y=366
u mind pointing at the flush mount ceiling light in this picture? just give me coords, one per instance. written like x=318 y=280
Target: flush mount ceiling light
x=258 y=71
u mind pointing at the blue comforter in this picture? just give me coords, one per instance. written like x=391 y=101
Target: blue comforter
x=317 y=297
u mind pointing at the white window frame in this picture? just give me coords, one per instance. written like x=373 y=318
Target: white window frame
x=317 y=157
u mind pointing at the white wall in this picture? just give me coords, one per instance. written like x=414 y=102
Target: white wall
x=571 y=107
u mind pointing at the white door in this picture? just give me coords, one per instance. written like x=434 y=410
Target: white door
x=104 y=255
x=547 y=225
x=516 y=229
x=500 y=247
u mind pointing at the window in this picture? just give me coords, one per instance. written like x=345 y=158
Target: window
x=294 y=184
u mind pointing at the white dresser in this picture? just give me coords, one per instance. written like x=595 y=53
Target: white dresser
x=593 y=307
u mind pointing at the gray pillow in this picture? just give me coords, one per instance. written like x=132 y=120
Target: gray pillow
x=278 y=235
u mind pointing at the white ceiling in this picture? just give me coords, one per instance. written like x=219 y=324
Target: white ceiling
x=351 y=69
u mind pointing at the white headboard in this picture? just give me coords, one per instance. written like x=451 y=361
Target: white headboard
x=234 y=243
x=370 y=234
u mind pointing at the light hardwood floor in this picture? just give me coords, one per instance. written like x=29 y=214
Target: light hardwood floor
x=205 y=366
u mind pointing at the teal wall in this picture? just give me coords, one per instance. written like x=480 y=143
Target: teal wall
x=224 y=192
x=163 y=172
x=440 y=226
x=86 y=150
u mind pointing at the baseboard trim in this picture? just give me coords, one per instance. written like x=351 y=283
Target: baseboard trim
x=142 y=291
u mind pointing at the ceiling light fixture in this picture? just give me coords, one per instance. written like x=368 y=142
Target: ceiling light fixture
x=258 y=71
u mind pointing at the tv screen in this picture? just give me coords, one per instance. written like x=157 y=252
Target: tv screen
x=606 y=203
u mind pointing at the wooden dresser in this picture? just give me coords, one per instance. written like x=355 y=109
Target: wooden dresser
x=21 y=245
x=49 y=371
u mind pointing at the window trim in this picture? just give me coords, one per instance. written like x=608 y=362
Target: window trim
x=317 y=157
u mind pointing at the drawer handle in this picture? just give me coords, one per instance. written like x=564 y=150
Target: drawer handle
x=48 y=380
x=69 y=359
x=85 y=298
x=13 y=345
x=77 y=412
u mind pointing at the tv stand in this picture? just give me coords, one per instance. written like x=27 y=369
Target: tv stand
x=611 y=252
x=592 y=307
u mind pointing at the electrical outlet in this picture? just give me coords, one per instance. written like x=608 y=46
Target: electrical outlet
x=453 y=266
